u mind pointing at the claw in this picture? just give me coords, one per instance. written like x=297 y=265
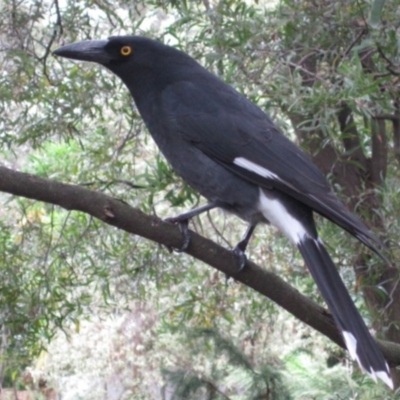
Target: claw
x=183 y=226
x=242 y=258
x=239 y=250
x=183 y=222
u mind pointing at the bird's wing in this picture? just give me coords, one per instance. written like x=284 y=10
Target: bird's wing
x=235 y=133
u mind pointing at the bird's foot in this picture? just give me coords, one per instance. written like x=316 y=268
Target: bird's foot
x=183 y=224
x=240 y=248
x=239 y=251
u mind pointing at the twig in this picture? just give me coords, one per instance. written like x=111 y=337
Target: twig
x=353 y=43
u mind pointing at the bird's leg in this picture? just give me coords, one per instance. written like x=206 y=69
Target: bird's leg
x=240 y=248
x=183 y=221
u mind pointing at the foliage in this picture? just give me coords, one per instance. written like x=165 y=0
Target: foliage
x=235 y=378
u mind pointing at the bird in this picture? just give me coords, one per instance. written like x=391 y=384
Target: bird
x=231 y=152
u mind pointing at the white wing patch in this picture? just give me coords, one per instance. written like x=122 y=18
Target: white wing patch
x=275 y=212
x=253 y=167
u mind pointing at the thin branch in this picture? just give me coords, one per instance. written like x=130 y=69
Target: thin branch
x=308 y=72
x=362 y=32
x=390 y=117
x=378 y=166
x=57 y=31
x=128 y=137
x=350 y=135
x=396 y=130
x=217 y=231
x=303 y=59
x=390 y=66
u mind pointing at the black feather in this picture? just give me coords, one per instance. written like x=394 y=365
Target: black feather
x=341 y=305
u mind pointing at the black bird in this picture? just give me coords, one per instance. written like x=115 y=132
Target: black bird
x=230 y=151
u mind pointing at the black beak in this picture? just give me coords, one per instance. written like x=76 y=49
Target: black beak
x=88 y=50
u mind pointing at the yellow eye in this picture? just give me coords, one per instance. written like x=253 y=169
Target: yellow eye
x=126 y=50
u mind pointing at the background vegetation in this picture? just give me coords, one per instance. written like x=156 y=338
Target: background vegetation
x=123 y=317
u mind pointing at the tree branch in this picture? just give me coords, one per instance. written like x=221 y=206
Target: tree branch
x=350 y=135
x=378 y=165
x=396 y=130
x=119 y=214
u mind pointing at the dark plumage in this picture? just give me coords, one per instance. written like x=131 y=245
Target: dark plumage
x=230 y=151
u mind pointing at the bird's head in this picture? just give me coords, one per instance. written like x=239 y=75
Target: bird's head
x=132 y=58
x=116 y=50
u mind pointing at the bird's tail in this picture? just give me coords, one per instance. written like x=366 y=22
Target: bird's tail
x=358 y=340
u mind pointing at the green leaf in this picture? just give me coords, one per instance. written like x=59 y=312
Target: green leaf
x=376 y=13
